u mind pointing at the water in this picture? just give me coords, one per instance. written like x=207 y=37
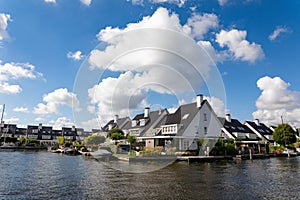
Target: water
x=43 y=175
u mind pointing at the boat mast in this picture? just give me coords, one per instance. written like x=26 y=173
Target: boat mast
x=1 y=122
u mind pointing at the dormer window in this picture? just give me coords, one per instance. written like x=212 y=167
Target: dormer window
x=133 y=123
x=142 y=122
x=185 y=116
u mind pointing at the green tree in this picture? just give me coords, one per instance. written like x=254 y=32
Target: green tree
x=131 y=139
x=22 y=140
x=116 y=134
x=284 y=134
x=94 y=140
x=61 y=140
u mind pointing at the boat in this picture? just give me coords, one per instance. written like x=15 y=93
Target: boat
x=288 y=153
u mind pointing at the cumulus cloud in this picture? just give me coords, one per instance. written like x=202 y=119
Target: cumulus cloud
x=61 y=122
x=201 y=24
x=180 y=3
x=222 y=2
x=86 y=2
x=55 y=99
x=12 y=120
x=156 y=54
x=77 y=55
x=242 y=49
x=91 y=124
x=277 y=100
x=4 y=19
x=14 y=71
x=39 y=119
x=21 y=109
x=217 y=105
x=277 y=32
x=50 y=1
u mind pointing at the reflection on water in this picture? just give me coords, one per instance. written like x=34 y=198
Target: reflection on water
x=42 y=175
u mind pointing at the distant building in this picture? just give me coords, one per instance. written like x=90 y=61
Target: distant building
x=262 y=131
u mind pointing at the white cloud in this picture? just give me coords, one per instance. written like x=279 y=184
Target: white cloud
x=4 y=19
x=50 y=1
x=6 y=88
x=277 y=32
x=222 y=2
x=21 y=109
x=201 y=24
x=86 y=2
x=14 y=71
x=91 y=124
x=39 y=119
x=217 y=105
x=75 y=55
x=277 y=100
x=55 y=99
x=180 y=3
x=12 y=120
x=61 y=122
x=157 y=55
x=242 y=49
x=137 y=2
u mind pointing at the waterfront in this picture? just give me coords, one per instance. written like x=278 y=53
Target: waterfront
x=42 y=175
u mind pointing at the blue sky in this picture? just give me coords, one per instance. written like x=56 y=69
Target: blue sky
x=52 y=55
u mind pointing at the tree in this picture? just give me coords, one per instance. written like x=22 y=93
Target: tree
x=116 y=134
x=61 y=140
x=131 y=139
x=94 y=140
x=22 y=140
x=284 y=134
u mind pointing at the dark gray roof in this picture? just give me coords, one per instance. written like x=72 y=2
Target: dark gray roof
x=183 y=116
x=261 y=128
x=139 y=116
x=235 y=126
x=122 y=123
x=155 y=118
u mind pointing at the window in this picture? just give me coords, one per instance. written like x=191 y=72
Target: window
x=205 y=130
x=170 y=129
x=142 y=122
x=204 y=117
x=186 y=144
x=185 y=116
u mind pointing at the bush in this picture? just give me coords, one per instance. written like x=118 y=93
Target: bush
x=230 y=149
x=94 y=140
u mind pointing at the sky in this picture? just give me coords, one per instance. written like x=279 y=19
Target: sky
x=80 y=62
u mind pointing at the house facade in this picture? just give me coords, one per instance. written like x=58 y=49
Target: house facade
x=181 y=129
x=243 y=136
x=263 y=132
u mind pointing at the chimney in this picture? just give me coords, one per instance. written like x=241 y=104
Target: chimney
x=40 y=127
x=110 y=127
x=116 y=118
x=199 y=100
x=146 y=112
x=257 y=122
x=73 y=128
x=228 y=117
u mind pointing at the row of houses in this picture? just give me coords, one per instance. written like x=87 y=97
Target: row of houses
x=183 y=128
x=45 y=134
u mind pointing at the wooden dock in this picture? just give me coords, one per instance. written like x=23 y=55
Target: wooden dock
x=203 y=158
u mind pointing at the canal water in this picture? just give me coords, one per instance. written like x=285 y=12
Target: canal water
x=43 y=175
